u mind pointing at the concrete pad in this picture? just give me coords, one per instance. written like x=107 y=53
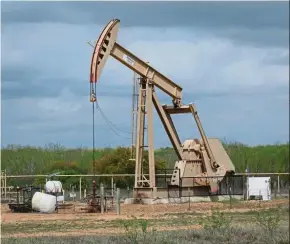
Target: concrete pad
x=149 y=201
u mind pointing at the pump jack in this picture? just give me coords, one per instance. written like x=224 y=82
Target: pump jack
x=205 y=157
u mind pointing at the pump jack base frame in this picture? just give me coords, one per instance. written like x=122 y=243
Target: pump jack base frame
x=165 y=192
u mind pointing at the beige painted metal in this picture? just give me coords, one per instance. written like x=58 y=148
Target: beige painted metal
x=197 y=157
x=183 y=109
x=145 y=101
x=145 y=70
x=107 y=45
x=151 y=159
x=134 y=115
x=203 y=136
x=103 y=48
x=140 y=133
x=168 y=126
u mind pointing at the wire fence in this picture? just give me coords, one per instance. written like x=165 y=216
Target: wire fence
x=76 y=187
x=205 y=186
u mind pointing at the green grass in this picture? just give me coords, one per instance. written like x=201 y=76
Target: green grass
x=230 y=236
x=254 y=226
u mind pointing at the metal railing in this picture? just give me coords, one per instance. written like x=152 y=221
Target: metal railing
x=279 y=182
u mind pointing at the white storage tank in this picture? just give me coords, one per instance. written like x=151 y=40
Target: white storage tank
x=43 y=203
x=52 y=186
x=259 y=187
x=60 y=198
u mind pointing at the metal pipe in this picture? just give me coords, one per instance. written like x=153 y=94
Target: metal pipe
x=118 y=201
x=102 y=198
x=73 y=192
x=5 y=184
x=112 y=185
x=80 y=188
x=63 y=192
x=278 y=184
x=18 y=195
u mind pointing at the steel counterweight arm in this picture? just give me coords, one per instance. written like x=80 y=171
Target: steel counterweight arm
x=106 y=46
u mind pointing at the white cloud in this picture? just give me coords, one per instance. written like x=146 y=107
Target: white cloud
x=197 y=61
x=66 y=111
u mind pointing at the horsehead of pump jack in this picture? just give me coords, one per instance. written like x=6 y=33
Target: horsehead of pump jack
x=198 y=159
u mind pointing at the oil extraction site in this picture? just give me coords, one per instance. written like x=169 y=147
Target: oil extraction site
x=203 y=172
x=144 y=123
x=203 y=164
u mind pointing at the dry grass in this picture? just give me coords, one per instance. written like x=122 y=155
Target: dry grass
x=259 y=223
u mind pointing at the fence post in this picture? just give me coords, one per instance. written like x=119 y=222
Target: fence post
x=118 y=201
x=17 y=194
x=246 y=187
x=275 y=185
x=278 y=184
x=230 y=192
x=128 y=191
x=227 y=184
x=165 y=177
x=112 y=185
x=73 y=191
x=80 y=188
x=102 y=198
x=188 y=198
x=180 y=184
x=5 y=184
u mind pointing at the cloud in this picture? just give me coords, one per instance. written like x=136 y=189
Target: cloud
x=173 y=13
x=226 y=19
x=238 y=79
x=225 y=66
x=65 y=119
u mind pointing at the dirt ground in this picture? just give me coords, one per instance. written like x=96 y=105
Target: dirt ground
x=128 y=212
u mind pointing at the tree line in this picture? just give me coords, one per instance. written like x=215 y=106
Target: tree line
x=25 y=160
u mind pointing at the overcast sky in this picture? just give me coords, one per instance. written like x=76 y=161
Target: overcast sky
x=231 y=59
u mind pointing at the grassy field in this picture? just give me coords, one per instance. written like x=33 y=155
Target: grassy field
x=232 y=235
x=252 y=226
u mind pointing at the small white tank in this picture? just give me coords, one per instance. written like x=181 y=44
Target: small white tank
x=52 y=186
x=43 y=203
x=60 y=198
